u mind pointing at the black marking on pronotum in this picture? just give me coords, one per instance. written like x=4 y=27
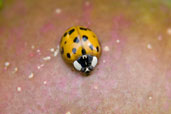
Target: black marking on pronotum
x=68 y=55
x=62 y=50
x=83 y=51
x=85 y=38
x=71 y=31
x=65 y=34
x=97 y=48
x=76 y=40
x=81 y=28
x=74 y=50
x=91 y=47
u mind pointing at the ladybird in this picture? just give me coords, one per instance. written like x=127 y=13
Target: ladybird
x=80 y=47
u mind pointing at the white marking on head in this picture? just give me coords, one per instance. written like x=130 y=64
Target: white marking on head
x=84 y=56
x=87 y=70
x=77 y=65
x=94 y=61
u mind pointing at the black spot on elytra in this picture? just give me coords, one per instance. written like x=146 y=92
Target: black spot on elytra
x=91 y=47
x=83 y=51
x=71 y=31
x=85 y=38
x=74 y=50
x=65 y=34
x=62 y=50
x=65 y=42
x=76 y=40
x=68 y=55
x=97 y=48
x=81 y=28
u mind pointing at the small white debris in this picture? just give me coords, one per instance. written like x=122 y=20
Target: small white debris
x=56 y=52
x=95 y=87
x=15 y=70
x=18 y=89
x=32 y=47
x=117 y=41
x=44 y=82
x=150 y=98
x=47 y=58
x=159 y=37
x=7 y=64
x=40 y=66
x=58 y=10
x=149 y=46
x=52 y=49
x=68 y=113
x=169 y=31
x=106 y=48
x=104 y=61
x=31 y=75
x=38 y=50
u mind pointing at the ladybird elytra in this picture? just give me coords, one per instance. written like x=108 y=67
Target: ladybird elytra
x=80 y=47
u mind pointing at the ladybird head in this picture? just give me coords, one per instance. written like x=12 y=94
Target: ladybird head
x=85 y=63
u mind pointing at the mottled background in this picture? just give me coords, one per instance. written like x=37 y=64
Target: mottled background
x=134 y=71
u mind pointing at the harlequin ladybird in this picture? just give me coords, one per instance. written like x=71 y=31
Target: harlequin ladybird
x=80 y=47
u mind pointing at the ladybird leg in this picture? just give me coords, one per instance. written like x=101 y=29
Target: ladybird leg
x=83 y=69
x=90 y=67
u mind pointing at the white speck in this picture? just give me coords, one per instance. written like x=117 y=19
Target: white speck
x=38 y=51
x=106 y=48
x=58 y=10
x=40 y=66
x=169 y=31
x=18 y=89
x=87 y=3
x=117 y=41
x=15 y=70
x=104 y=61
x=56 y=52
x=149 y=46
x=52 y=49
x=68 y=113
x=47 y=58
x=32 y=47
x=95 y=87
x=159 y=37
x=7 y=64
x=31 y=75
x=150 y=98
x=44 y=82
